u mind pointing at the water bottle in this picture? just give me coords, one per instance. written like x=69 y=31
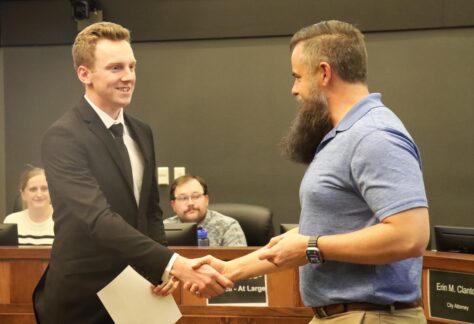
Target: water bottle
x=203 y=240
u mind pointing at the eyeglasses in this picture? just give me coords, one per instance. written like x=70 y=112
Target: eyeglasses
x=194 y=197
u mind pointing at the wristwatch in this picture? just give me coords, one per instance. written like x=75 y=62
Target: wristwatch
x=312 y=252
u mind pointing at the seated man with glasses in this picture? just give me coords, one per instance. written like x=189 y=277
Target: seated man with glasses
x=189 y=200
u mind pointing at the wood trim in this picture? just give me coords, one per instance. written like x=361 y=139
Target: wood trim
x=25 y=253
x=460 y=262
x=230 y=311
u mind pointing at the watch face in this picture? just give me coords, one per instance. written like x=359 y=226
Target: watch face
x=313 y=255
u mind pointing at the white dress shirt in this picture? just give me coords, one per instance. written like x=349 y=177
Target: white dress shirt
x=136 y=157
x=136 y=160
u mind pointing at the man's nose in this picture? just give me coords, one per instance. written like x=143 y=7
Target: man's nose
x=129 y=74
x=294 y=90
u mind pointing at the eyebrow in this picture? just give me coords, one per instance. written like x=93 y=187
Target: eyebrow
x=121 y=63
x=190 y=193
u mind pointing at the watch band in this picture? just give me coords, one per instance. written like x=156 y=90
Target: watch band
x=313 y=241
x=313 y=254
x=320 y=252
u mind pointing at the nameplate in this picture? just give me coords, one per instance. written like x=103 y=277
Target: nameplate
x=248 y=292
x=451 y=295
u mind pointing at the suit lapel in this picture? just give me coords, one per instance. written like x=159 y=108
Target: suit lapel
x=96 y=126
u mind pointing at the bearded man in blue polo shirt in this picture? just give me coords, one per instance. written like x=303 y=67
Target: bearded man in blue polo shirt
x=364 y=221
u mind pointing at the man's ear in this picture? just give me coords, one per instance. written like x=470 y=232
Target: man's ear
x=326 y=73
x=83 y=74
x=173 y=202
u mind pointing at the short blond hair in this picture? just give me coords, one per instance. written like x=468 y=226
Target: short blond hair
x=83 y=49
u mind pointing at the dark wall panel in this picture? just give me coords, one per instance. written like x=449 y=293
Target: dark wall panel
x=36 y=23
x=426 y=78
x=2 y=138
x=48 y=22
x=219 y=108
x=40 y=84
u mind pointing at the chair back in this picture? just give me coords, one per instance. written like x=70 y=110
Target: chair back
x=256 y=221
x=285 y=227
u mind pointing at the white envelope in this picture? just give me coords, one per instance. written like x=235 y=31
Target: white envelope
x=129 y=300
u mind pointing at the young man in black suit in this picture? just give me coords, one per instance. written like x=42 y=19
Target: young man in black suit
x=104 y=191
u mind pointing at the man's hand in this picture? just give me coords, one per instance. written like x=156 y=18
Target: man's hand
x=217 y=264
x=286 y=250
x=166 y=288
x=205 y=280
x=214 y=262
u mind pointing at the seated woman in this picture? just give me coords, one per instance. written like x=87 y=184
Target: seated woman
x=35 y=222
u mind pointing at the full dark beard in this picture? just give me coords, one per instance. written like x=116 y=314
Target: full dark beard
x=307 y=130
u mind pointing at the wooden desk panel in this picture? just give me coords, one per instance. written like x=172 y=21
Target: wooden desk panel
x=283 y=297
x=21 y=268
x=459 y=262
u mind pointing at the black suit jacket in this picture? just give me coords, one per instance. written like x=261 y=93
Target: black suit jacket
x=99 y=229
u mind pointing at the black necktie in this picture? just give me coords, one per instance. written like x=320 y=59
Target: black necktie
x=117 y=130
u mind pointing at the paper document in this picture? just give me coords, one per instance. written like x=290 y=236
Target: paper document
x=129 y=300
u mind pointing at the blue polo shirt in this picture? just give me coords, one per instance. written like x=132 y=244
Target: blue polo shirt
x=365 y=169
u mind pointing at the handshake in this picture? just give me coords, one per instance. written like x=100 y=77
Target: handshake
x=205 y=277
x=208 y=276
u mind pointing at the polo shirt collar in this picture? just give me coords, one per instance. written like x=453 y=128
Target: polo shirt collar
x=367 y=103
